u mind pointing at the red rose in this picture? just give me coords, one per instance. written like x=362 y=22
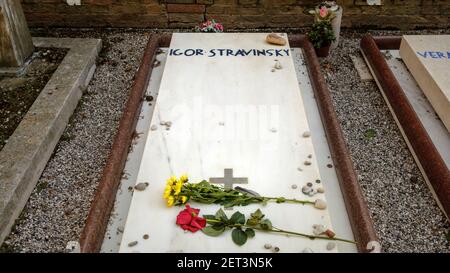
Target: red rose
x=188 y=219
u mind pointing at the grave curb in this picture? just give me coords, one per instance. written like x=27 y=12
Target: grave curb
x=25 y=156
x=95 y=227
x=421 y=146
x=359 y=216
x=94 y=230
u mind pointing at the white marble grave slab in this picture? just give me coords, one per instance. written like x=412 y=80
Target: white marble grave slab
x=428 y=59
x=424 y=110
x=226 y=112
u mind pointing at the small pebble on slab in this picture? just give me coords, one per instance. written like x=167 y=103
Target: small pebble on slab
x=331 y=245
x=330 y=233
x=308 y=250
x=275 y=39
x=306 y=189
x=306 y=134
x=141 y=186
x=320 y=204
x=131 y=244
x=318 y=229
x=277 y=65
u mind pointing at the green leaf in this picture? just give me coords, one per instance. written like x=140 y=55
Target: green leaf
x=237 y=218
x=257 y=214
x=250 y=232
x=218 y=226
x=281 y=200
x=209 y=217
x=220 y=215
x=370 y=133
x=266 y=224
x=239 y=237
x=213 y=231
x=253 y=222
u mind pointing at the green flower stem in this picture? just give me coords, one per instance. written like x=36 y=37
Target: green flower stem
x=219 y=196
x=304 y=202
x=277 y=230
x=274 y=229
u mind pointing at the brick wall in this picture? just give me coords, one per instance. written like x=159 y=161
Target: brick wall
x=403 y=14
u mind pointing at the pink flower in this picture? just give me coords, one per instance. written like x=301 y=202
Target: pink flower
x=323 y=11
x=188 y=219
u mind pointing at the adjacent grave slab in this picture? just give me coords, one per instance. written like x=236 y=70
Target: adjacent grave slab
x=228 y=109
x=428 y=59
x=25 y=156
x=424 y=110
x=425 y=137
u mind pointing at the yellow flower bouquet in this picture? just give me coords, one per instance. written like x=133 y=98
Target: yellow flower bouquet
x=178 y=191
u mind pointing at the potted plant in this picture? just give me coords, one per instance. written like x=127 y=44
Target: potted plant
x=334 y=15
x=322 y=34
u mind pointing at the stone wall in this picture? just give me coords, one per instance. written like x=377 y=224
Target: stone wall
x=399 y=14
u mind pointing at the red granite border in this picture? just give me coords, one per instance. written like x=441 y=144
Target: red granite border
x=92 y=235
x=94 y=230
x=426 y=153
x=358 y=212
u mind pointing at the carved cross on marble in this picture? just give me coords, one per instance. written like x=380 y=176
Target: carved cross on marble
x=228 y=180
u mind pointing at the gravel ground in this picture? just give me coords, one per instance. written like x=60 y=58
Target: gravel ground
x=58 y=206
x=404 y=212
x=405 y=215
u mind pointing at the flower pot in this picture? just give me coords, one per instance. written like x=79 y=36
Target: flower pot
x=323 y=51
x=336 y=24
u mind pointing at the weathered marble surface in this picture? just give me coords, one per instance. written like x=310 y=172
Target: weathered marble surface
x=196 y=94
x=428 y=59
